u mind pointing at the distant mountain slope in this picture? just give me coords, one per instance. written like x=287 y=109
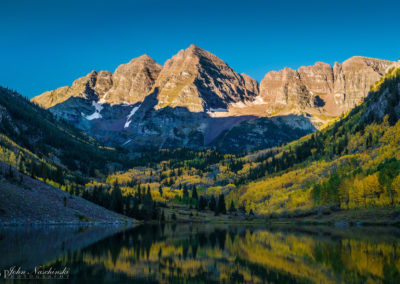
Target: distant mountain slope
x=321 y=91
x=353 y=163
x=263 y=133
x=33 y=134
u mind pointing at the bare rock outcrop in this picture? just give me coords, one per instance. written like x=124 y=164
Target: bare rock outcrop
x=321 y=88
x=132 y=81
x=196 y=97
x=200 y=81
x=129 y=84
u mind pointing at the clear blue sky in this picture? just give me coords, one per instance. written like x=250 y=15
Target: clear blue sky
x=48 y=44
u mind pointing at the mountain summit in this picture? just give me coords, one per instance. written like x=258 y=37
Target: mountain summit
x=129 y=84
x=197 y=100
x=200 y=81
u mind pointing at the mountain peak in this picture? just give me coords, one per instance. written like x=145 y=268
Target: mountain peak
x=199 y=80
x=195 y=48
x=129 y=84
x=197 y=52
x=142 y=58
x=375 y=63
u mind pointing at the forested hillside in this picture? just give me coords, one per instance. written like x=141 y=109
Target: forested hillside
x=33 y=141
x=352 y=163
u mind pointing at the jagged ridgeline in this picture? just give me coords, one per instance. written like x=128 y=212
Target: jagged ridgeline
x=353 y=163
x=196 y=100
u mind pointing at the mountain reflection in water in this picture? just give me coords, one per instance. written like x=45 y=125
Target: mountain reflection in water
x=212 y=254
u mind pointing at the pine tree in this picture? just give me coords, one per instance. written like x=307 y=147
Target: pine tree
x=147 y=209
x=116 y=198
x=202 y=203
x=221 y=204
x=194 y=193
x=160 y=190
x=185 y=193
x=162 y=217
x=10 y=172
x=212 y=204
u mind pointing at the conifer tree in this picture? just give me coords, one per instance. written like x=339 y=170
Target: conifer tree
x=194 y=193
x=116 y=198
x=10 y=172
x=212 y=204
x=162 y=217
x=202 y=203
x=185 y=193
x=232 y=208
x=221 y=204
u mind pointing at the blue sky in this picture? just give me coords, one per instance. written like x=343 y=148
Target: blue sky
x=48 y=44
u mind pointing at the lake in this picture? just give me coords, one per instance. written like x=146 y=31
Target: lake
x=203 y=254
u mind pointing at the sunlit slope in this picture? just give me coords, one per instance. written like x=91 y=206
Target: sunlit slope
x=350 y=164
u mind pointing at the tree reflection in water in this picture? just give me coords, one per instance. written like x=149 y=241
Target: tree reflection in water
x=238 y=254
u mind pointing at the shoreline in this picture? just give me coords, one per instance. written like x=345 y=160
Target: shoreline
x=341 y=218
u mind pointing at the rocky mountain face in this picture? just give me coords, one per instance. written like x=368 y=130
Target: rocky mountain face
x=321 y=90
x=129 y=84
x=196 y=100
x=200 y=81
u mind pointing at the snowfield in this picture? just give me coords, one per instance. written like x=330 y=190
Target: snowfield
x=128 y=118
x=96 y=115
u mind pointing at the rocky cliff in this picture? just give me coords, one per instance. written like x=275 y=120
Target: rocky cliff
x=129 y=84
x=321 y=89
x=196 y=100
x=132 y=81
x=200 y=81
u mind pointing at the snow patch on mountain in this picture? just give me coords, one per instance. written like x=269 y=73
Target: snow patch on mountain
x=95 y=115
x=126 y=142
x=97 y=109
x=218 y=110
x=128 y=118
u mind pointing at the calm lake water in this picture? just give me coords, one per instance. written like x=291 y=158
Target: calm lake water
x=205 y=254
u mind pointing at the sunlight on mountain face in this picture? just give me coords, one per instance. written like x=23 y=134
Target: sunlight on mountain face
x=231 y=254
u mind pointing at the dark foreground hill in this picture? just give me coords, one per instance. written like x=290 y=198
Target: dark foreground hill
x=24 y=200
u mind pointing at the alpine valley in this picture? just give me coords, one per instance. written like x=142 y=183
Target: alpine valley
x=194 y=141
